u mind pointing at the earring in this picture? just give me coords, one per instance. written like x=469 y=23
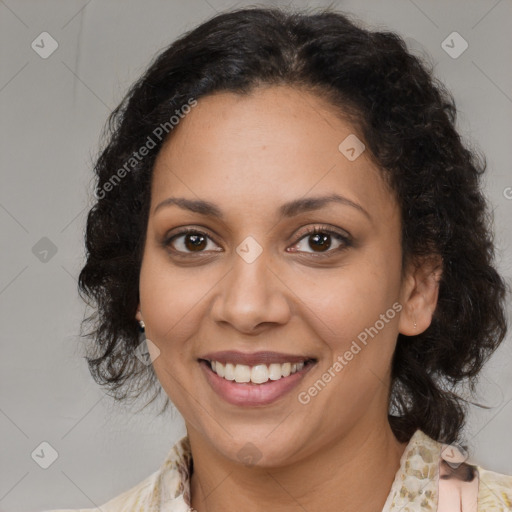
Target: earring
x=142 y=326
x=415 y=324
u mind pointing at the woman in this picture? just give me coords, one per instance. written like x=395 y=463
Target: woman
x=285 y=208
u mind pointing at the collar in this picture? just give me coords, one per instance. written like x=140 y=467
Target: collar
x=416 y=482
x=414 y=486
x=171 y=491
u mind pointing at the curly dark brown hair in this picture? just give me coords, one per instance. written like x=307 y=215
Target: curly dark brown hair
x=407 y=119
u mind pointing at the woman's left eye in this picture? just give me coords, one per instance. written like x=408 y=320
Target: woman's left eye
x=320 y=241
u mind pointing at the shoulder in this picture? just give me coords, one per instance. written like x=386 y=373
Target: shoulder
x=435 y=476
x=495 y=491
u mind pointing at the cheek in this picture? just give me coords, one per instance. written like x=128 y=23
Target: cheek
x=171 y=297
x=343 y=303
x=358 y=326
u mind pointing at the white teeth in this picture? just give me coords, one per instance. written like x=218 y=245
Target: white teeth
x=257 y=374
x=229 y=371
x=274 y=371
x=219 y=369
x=242 y=373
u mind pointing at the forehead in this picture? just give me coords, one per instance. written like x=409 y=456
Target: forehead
x=274 y=144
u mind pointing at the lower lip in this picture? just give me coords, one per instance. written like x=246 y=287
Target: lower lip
x=250 y=394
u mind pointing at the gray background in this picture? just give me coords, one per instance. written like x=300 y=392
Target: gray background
x=51 y=114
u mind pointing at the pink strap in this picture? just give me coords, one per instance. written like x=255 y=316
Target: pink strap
x=458 y=482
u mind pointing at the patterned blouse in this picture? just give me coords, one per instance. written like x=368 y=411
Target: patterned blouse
x=431 y=477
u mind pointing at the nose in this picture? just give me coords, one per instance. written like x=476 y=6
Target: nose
x=252 y=295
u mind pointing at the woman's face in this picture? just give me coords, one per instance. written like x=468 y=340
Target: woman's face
x=252 y=278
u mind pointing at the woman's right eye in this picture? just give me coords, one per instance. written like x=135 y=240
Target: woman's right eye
x=189 y=241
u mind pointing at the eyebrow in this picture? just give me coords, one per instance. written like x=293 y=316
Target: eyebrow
x=289 y=209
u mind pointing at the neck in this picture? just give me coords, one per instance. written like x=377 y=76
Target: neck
x=337 y=477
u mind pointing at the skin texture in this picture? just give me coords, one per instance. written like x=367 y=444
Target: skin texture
x=249 y=155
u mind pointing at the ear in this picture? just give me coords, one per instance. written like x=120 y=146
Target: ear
x=419 y=294
x=138 y=315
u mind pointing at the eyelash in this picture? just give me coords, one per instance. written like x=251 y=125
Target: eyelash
x=344 y=239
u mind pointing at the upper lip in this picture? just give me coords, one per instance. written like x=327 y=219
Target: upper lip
x=254 y=358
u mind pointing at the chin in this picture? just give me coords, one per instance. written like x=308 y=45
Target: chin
x=259 y=450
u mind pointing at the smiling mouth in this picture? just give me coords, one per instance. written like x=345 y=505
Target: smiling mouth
x=259 y=373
